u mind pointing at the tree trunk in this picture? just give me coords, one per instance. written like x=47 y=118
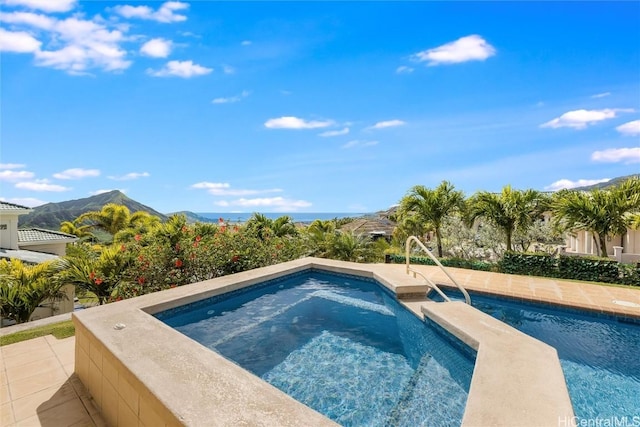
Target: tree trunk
x=508 y=232
x=603 y=245
x=439 y=237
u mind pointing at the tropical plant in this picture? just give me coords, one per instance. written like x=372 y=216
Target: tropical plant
x=114 y=219
x=24 y=287
x=264 y=227
x=602 y=212
x=82 y=232
x=509 y=210
x=431 y=207
x=98 y=271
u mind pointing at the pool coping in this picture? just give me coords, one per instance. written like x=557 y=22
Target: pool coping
x=123 y=358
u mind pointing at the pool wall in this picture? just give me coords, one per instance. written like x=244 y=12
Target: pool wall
x=140 y=371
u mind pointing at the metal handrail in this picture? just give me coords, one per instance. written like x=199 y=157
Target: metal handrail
x=411 y=239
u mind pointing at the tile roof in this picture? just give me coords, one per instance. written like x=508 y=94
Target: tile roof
x=27 y=256
x=33 y=235
x=6 y=206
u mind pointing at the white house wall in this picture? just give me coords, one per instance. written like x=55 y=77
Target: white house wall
x=9 y=231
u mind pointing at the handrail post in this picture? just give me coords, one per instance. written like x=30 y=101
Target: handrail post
x=411 y=239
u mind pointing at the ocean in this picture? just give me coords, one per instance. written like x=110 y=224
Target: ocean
x=306 y=217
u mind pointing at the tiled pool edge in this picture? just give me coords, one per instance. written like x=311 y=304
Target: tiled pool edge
x=153 y=372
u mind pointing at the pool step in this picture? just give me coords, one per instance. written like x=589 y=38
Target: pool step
x=395 y=416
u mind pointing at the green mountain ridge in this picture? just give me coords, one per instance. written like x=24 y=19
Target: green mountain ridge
x=51 y=215
x=611 y=183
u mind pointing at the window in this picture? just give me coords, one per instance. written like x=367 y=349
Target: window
x=3 y=226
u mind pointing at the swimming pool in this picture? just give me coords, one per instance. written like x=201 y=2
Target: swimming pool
x=599 y=355
x=340 y=344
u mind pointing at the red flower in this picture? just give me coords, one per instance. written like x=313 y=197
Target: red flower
x=223 y=228
x=98 y=281
x=195 y=244
x=235 y=228
x=123 y=248
x=140 y=258
x=172 y=285
x=137 y=237
x=178 y=263
x=92 y=275
x=141 y=280
x=119 y=299
x=184 y=229
x=198 y=238
x=235 y=258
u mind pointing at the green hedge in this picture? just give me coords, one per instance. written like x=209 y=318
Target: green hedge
x=447 y=262
x=570 y=267
x=535 y=264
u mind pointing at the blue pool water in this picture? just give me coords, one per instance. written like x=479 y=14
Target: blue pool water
x=339 y=344
x=600 y=356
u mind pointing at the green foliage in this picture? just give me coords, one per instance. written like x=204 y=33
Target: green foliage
x=23 y=287
x=428 y=209
x=447 y=262
x=590 y=269
x=59 y=330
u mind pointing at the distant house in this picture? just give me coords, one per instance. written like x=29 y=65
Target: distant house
x=625 y=248
x=34 y=245
x=375 y=228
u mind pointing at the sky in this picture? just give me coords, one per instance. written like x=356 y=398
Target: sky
x=216 y=106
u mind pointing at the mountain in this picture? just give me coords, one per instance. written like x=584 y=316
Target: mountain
x=611 y=183
x=193 y=217
x=52 y=214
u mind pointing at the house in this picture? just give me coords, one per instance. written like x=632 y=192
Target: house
x=34 y=245
x=375 y=228
x=625 y=248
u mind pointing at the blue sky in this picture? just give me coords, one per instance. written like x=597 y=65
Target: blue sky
x=214 y=106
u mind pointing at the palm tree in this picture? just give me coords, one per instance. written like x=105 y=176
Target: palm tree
x=601 y=212
x=431 y=207
x=82 y=232
x=111 y=218
x=509 y=210
x=23 y=287
x=99 y=272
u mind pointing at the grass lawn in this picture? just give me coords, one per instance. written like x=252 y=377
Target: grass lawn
x=59 y=330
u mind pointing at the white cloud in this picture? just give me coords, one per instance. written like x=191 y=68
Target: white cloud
x=601 y=95
x=156 y=48
x=616 y=155
x=80 y=45
x=388 y=124
x=130 y=176
x=580 y=119
x=29 y=202
x=76 y=173
x=631 y=128
x=289 y=122
x=95 y=193
x=246 y=43
x=403 y=69
x=41 y=185
x=568 y=184
x=228 y=69
x=184 y=69
x=231 y=99
x=45 y=5
x=11 y=175
x=210 y=185
x=334 y=132
x=279 y=204
x=224 y=189
x=469 y=48
x=165 y=14
x=12 y=165
x=18 y=41
x=358 y=143
x=31 y=19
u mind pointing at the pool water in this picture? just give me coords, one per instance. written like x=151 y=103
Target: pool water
x=600 y=356
x=342 y=345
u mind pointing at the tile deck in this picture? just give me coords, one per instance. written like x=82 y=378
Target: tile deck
x=38 y=386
